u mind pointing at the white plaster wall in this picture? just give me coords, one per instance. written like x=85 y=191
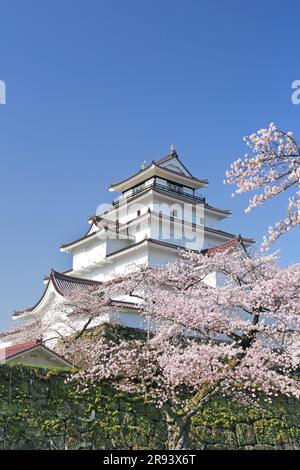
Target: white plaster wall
x=211 y=279
x=140 y=229
x=113 y=245
x=183 y=210
x=131 y=319
x=57 y=323
x=127 y=212
x=159 y=202
x=211 y=220
x=160 y=257
x=131 y=192
x=118 y=266
x=174 y=165
x=37 y=358
x=84 y=256
x=175 y=232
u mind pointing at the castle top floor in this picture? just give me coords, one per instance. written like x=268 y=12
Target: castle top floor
x=168 y=173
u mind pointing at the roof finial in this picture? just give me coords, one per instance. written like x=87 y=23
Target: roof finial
x=144 y=164
x=172 y=148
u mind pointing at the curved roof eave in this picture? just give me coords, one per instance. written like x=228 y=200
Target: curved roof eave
x=56 y=279
x=51 y=288
x=116 y=186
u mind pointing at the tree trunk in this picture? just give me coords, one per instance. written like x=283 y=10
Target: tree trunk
x=179 y=421
x=178 y=431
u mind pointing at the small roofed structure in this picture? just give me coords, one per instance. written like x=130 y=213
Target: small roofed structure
x=33 y=354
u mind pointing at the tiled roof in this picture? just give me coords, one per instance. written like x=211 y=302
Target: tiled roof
x=217 y=209
x=64 y=285
x=10 y=352
x=168 y=170
x=67 y=271
x=225 y=246
x=169 y=157
x=67 y=285
x=227 y=234
x=221 y=246
x=12 y=332
x=124 y=304
x=84 y=237
x=127 y=224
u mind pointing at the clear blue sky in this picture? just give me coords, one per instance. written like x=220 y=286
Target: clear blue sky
x=94 y=87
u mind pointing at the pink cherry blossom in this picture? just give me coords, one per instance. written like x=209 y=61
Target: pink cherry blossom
x=239 y=338
x=272 y=168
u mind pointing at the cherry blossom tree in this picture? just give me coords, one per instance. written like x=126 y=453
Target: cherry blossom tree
x=272 y=168
x=71 y=318
x=28 y=328
x=223 y=323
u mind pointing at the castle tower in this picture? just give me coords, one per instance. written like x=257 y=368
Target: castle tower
x=157 y=212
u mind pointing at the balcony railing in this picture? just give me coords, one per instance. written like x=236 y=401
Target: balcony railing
x=161 y=187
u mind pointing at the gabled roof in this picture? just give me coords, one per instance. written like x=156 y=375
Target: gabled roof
x=11 y=352
x=171 y=156
x=167 y=158
x=229 y=245
x=142 y=174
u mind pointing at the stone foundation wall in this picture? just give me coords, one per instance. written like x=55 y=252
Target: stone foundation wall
x=38 y=410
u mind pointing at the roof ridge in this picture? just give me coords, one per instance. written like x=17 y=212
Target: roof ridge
x=168 y=157
x=24 y=343
x=79 y=280
x=168 y=170
x=19 y=348
x=238 y=240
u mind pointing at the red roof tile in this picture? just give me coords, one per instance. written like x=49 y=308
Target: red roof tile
x=10 y=351
x=230 y=244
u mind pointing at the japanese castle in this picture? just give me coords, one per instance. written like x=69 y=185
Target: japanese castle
x=157 y=212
